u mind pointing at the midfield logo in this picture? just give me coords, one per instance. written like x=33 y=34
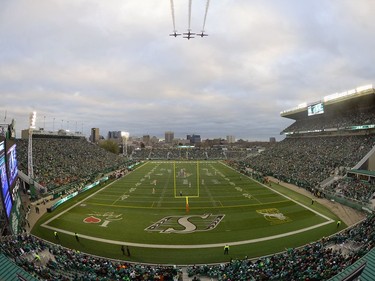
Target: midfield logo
x=274 y=216
x=186 y=224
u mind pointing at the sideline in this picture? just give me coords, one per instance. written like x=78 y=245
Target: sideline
x=348 y=215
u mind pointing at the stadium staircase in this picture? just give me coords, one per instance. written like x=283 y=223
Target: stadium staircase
x=27 y=179
x=364 y=159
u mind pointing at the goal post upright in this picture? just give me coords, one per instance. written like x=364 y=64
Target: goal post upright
x=174 y=178
x=198 y=177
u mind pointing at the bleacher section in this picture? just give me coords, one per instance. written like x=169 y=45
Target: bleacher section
x=67 y=162
x=188 y=154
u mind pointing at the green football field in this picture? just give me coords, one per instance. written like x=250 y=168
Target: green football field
x=184 y=213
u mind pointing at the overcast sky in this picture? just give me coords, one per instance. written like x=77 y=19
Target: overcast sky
x=112 y=64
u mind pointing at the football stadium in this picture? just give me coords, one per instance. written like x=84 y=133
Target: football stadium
x=298 y=209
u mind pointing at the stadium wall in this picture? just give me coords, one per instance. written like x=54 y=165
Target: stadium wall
x=344 y=201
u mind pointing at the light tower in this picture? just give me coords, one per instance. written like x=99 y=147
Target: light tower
x=125 y=136
x=32 y=121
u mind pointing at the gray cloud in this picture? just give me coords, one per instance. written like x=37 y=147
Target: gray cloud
x=111 y=64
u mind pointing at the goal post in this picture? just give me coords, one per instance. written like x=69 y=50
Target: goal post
x=186 y=179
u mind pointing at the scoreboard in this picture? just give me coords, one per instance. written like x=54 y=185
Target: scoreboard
x=5 y=187
x=12 y=170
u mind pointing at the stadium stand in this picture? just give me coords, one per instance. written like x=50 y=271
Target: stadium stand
x=318 y=154
x=339 y=120
x=48 y=261
x=306 y=162
x=188 y=154
x=69 y=163
x=355 y=189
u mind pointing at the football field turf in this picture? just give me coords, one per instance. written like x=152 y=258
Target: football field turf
x=185 y=212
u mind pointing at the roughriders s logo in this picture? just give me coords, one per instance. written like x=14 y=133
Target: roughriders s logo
x=186 y=224
x=274 y=216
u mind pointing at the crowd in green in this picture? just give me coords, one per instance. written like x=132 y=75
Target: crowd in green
x=67 y=162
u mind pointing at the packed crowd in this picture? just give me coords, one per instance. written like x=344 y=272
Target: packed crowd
x=320 y=260
x=316 y=261
x=306 y=162
x=64 y=162
x=65 y=264
x=337 y=121
x=187 y=154
x=353 y=189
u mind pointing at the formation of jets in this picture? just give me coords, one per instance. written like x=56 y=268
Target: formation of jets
x=188 y=35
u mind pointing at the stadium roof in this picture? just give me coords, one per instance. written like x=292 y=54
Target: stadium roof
x=368 y=272
x=11 y=272
x=363 y=172
x=336 y=102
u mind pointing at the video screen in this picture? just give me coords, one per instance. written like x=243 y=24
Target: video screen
x=12 y=165
x=315 y=109
x=5 y=192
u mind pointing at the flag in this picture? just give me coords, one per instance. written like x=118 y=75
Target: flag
x=187 y=204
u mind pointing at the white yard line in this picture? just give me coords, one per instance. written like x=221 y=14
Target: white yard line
x=194 y=246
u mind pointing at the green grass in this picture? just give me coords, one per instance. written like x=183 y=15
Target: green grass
x=225 y=207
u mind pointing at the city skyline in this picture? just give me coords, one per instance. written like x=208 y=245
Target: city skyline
x=112 y=65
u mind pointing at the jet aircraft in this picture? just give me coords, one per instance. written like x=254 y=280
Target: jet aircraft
x=175 y=34
x=189 y=34
x=202 y=34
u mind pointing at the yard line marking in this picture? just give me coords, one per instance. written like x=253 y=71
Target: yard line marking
x=75 y=205
x=164 y=190
x=191 y=208
x=192 y=246
x=287 y=197
x=119 y=198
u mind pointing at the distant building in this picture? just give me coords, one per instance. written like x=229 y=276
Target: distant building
x=194 y=139
x=114 y=135
x=231 y=139
x=154 y=140
x=94 y=137
x=272 y=139
x=169 y=136
x=146 y=139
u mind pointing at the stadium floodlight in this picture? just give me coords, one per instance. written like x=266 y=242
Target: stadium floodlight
x=32 y=119
x=363 y=88
x=302 y=105
x=30 y=170
x=125 y=136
